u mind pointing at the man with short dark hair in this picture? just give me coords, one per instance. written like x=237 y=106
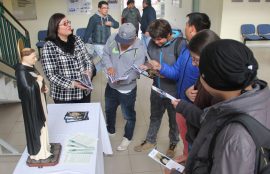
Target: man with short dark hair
x=121 y=51
x=196 y=22
x=99 y=28
x=131 y=15
x=149 y=15
x=161 y=48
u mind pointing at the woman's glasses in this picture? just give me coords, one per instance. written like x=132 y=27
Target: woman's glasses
x=65 y=23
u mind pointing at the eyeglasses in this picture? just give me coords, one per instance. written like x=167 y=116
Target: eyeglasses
x=105 y=8
x=65 y=23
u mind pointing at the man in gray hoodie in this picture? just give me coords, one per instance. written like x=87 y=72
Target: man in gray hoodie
x=99 y=28
x=121 y=51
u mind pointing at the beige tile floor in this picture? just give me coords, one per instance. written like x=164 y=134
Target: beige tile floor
x=127 y=162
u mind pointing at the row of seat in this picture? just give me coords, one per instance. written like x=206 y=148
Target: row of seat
x=42 y=34
x=249 y=34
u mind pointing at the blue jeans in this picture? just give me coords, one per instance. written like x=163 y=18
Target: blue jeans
x=99 y=52
x=127 y=101
x=158 y=107
x=145 y=39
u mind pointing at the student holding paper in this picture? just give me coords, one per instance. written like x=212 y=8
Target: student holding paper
x=183 y=71
x=121 y=51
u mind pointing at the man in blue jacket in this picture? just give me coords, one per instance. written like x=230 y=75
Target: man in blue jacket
x=184 y=72
x=179 y=71
x=99 y=28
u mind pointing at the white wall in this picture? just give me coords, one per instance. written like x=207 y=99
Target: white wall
x=177 y=16
x=45 y=8
x=234 y=14
x=213 y=8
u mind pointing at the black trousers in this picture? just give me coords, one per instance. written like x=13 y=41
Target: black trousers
x=85 y=99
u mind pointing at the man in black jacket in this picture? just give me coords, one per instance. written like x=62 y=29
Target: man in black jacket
x=149 y=15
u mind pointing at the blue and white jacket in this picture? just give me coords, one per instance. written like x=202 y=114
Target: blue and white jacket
x=181 y=71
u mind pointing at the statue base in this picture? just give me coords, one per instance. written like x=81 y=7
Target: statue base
x=51 y=161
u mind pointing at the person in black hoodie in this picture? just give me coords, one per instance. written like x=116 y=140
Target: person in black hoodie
x=149 y=15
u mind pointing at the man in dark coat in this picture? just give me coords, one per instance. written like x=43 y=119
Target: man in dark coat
x=149 y=15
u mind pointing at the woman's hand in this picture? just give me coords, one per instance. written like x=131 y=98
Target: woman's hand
x=79 y=85
x=89 y=73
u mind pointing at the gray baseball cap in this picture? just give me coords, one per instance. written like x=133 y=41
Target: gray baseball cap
x=126 y=34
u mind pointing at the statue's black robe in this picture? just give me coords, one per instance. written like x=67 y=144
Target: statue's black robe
x=33 y=114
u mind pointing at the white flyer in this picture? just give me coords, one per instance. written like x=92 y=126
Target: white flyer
x=165 y=161
x=163 y=93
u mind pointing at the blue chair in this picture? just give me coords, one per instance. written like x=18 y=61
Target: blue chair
x=42 y=34
x=80 y=32
x=264 y=31
x=248 y=33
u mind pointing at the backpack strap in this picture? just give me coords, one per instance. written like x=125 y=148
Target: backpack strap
x=178 y=46
x=254 y=128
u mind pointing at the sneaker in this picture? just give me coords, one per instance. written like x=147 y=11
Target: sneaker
x=144 y=146
x=124 y=144
x=171 y=150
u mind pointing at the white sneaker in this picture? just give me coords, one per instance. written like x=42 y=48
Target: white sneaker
x=124 y=144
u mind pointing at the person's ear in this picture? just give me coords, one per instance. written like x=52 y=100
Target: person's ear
x=193 y=30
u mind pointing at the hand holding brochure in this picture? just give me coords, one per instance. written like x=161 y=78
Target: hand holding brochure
x=165 y=161
x=115 y=78
x=86 y=81
x=163 y=93
x=150 y=73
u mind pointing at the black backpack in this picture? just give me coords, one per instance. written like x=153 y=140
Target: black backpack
x=260 y=135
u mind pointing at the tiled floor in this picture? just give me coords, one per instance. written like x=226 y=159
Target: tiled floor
x=128 y=162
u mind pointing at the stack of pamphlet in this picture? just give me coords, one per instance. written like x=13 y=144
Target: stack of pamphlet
x=76 y=116
x=80 y=148
x=116 y=78
x=86 y=81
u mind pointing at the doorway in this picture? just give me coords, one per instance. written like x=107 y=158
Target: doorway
x=158 y=5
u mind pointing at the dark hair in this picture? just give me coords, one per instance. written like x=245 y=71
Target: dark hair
x=201 y=40
x=199 y=20
x=148 y=2
x=159 y=28
x=102 y=3
x=53 y=26
x=130 y=2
